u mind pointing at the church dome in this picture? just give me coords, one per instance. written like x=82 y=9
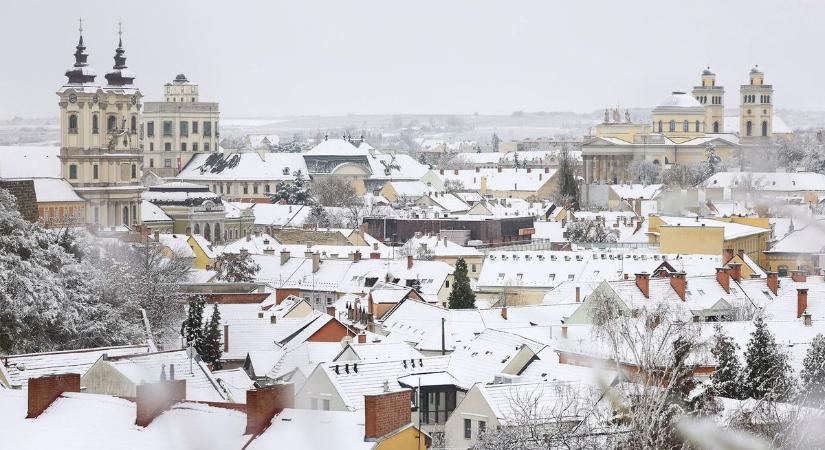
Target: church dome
x=181 y=78
x=679 y=99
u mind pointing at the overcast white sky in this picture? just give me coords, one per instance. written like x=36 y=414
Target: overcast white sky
x=268 y=58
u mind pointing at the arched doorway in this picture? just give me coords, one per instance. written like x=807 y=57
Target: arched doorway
x=764 y=128
x=749 y=129
x=715 y=127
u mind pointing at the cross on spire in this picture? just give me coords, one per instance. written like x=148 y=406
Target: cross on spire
x=119 y=34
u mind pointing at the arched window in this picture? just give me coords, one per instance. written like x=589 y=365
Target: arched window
x=134 y=171
x=134 y=124
x=764 y=128
x=749 y=129
x=72 y=123
x=672 y=127
x=125 y=215
x=197 y=228
x=686 y=126
x=95 y=124
x=715 y=127
x=660 y=126
x=207 y=232
x=697 y=126
x=111 y=123
x=217 y=232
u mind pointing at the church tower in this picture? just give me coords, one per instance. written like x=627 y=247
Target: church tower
x=755 y=108
x=99 y=148
x=713 y=98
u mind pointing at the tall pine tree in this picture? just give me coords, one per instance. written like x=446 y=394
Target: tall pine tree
x=211 y=349
x=568 y=189
x=727 y=379
x=813 y=372
x=767 y=372
x=462 y=296
x=192 y=327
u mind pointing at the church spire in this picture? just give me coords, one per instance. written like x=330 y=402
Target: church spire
x=80 y=73
x=120 y=76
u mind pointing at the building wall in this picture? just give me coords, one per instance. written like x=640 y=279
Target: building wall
x=102 y=378
x=408 y=439
x=474 y=407
x=167 y=163
x=201 y=261
x=319 y=386
x=332 y=331
x=58 y=213
x=23 y=191
x=691 y=240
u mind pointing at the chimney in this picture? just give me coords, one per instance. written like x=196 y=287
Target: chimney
x=152 y=399
x=723 y=277
x=362 y=338
x=741 y=254
x=331 y=310
x=773 y=282
x=316 y=262
x=679 y=284
x=45 y=390
x=504 y=312
x=409 y=262
x=375 y=255
x=578 y=294
x=727 y=255
x=478 y=169
x=375 y=246
x=356 y=256
x=226 y=338
x=801 y=301
x=455 y=171
x=385 y=413
x=264 y=403
x=441 y=171
x=564 y=331
x=643 y=283
x=499 y=169
x=736 y=271
x=806 y=317
x=799 y=276
x=273 y=319
x=189 y=231
x=157 y=236
x=284 y=256
x=546 y=170
x=529 y=170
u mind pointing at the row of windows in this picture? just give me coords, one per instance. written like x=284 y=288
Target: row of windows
x=752 y=98
x=468 y=428
x=183 y=128
x=167 y=146
x=698 y=126
x=749 y=128
x=111 y=124
x=714 y=99
x=96 y=174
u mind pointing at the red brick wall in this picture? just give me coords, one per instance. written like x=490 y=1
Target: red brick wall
x=44 y=390
x=385 y=413
x=281 y=294
x=23 y=190
x=154 y=398
x=332 y=331
x=264 y=403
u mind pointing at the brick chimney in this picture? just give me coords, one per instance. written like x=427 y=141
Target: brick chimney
x=799 y=276
x=356 y=256
x=45 y=390
x=806 y=318
x=801 y=301
x=375 y=255
x=316 y=262
x=564 y=331
x=773 y=282
x=273 y=319
x=441 y=171
x=455 y=171
x=157 y=236
x=643 y=283
x=264 y=403
x=152 y=399
x=723 y=277
x=578 y=294
x=409 y=262
x=741 y=254
x=284 y=256
x=736 y=271
x=529 y=170
x=331 y=311
x=362 y=338
x=679 y=284
x=727 y=255
x=504 y=312
x=499 y=169
x=385 y=413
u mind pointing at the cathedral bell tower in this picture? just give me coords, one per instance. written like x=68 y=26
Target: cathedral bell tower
x=712 y=97
x=755 y=108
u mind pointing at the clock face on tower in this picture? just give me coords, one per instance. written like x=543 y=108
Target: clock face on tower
x=72 y=98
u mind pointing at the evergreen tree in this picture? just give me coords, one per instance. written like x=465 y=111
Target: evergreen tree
x=462 y=296
x=568 y=189
x=296 y=192
x=813 y=372
x=192 y=327
x=727 y=379
x=767 y=372
x=236 y=267
x=211 y=349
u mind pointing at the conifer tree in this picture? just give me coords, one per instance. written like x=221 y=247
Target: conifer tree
x=211 y=351
x=767 y=372
x=813 y=372
x=236 y=267
x=568 y=189
x=192 y=327
x=727 y=379
x=462 y=296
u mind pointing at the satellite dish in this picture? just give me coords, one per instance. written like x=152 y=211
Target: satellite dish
x=346 y=340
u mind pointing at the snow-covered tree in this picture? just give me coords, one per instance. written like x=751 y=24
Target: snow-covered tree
x=192 y=327
x=295 y=192
x=767 y=373
x=813 y=372
x=644 y=172
x=462 y=295
x=236 y=267
x=727 y=378
x=567 y=192
x=590 y=231
x=211 y=350
x=453 y=185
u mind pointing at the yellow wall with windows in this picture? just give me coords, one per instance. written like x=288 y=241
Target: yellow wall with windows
x=408 y=439
x=789 y=261
x=201 y=260
x=679 y=135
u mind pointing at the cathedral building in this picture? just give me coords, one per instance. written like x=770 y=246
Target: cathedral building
x=684 y=129
x=99 y=147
